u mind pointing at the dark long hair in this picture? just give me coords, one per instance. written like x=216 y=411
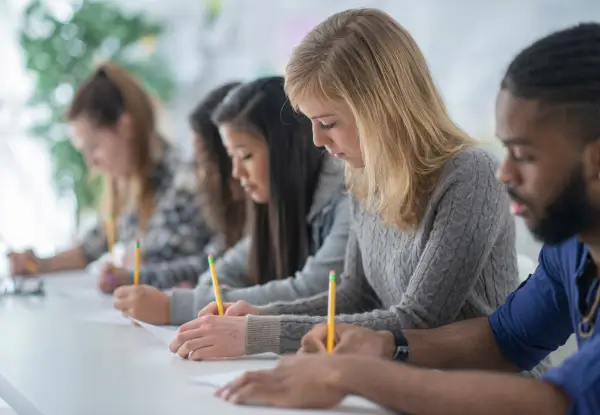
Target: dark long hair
x=224 y=205
x=280 y=234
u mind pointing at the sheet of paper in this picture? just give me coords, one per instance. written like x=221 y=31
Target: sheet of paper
x=83 y=294
x=163 y=333
x=218 y=380
x=3 y=404
x=108 y=316
x=352 y=404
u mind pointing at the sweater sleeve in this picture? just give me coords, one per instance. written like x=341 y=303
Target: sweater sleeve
x=232 y=267
x=231 y=270
x=94 y=243
x=168 y=274
x=310 y=280
x=469 y=216
x=178 y=221
x=353 y=295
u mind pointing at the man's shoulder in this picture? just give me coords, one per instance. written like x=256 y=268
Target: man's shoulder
x=563 y=259
x=571 y=248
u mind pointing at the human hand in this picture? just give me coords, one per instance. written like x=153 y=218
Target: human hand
x=144 y=303
x=308 y=382
x=237 y=309
x=24 y=263
x=112 y=277
x=350 y=339
x=209 y=337
x=185 y=285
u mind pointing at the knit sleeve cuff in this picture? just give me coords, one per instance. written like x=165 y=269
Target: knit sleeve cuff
x=262 y=334
x=182 y=307
x=266 y=310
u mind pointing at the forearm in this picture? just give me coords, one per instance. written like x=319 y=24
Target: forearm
x=183 y=303
x=69 y=260
x=353 y=292
x=416 y=391
x=350 y=299
x=315 y=305
x=283 y=334
x=232 y=267
x=279 y=327
x=467 y=344
x=167 y=275
x=286 y=290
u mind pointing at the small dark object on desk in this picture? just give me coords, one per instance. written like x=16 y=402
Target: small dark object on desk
x=23 y=287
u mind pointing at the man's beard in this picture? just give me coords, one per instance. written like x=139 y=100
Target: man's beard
x=570 y=214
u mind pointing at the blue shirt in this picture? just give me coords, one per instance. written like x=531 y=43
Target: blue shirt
x=540 y=316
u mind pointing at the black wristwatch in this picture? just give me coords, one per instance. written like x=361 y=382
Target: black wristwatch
x=401 y=353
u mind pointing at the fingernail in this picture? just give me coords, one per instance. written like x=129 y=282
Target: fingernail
x=225 y=394
x=111 y=279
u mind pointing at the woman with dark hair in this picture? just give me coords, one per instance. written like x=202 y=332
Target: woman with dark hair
x=149 y=192
x=223 y=203
x=299 y=218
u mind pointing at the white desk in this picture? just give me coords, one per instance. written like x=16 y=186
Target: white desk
x=54 y=363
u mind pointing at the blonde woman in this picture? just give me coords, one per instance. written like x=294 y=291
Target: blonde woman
x=432 y=238
x=148 y=190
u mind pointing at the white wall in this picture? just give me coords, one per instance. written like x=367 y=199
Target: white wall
x=30 y=214
x=467 y=42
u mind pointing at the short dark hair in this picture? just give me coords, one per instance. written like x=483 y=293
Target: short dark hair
x=280 y=234
x=222 y=207
x=562 y=71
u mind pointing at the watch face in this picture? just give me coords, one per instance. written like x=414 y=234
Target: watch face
x=401 y=353
x=401 y=347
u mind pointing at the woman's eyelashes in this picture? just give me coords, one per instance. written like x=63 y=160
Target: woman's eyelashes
x=327 y=126
x=246 y=156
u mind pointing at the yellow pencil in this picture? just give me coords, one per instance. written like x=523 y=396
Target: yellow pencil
x=136 y=272
x=331 y=313
x=110 y=233
x=215 y=281
x=31 y=267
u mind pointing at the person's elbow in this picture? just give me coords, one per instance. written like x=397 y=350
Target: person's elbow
x=555 y=401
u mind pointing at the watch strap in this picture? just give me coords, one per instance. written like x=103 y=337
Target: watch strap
x=401 y=353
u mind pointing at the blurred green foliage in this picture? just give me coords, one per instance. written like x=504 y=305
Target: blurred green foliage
x=62 y=52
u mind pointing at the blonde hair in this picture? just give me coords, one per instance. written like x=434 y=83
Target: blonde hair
x=364 y=59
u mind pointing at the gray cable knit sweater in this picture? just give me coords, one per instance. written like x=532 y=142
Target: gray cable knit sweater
x=459 y=263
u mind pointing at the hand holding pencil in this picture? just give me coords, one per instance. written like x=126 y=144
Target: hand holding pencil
x=346 y=338
x=111 y=277
x=349 y=339
x=23 y=263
